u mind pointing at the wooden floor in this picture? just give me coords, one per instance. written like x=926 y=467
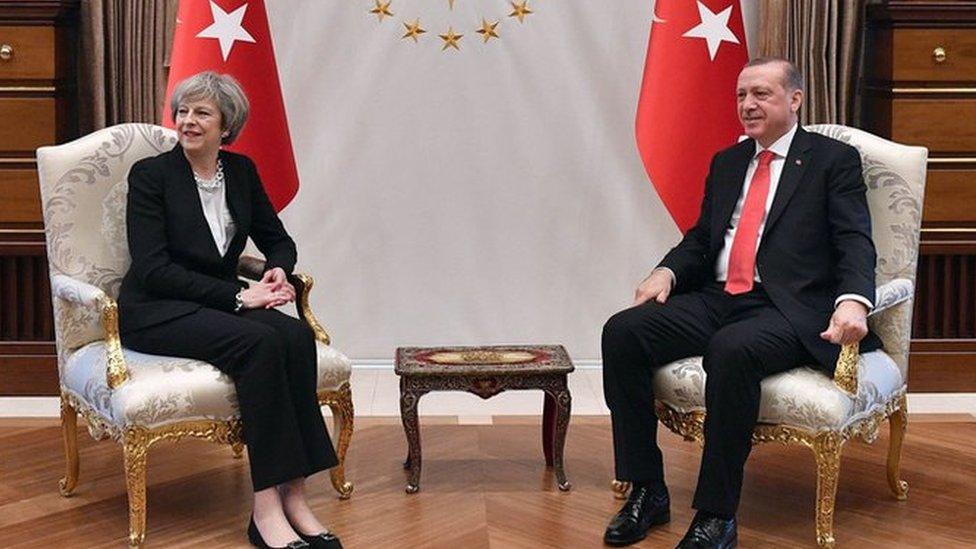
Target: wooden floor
x=486 y=486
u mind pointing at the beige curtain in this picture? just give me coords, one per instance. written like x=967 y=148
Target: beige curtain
x=823 y=38
x=124 y=57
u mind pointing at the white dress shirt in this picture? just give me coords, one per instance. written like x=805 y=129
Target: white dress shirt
x=780 y=149
x=213 y=199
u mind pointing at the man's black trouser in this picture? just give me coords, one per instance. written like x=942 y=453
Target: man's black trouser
x=742 y=340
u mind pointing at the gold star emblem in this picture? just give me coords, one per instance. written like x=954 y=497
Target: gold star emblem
x=520 y=10
x=413 y=30
x=382 y=10
x=487 y=30
x=450 y=39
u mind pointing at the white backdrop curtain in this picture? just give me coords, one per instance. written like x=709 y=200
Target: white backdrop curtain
x=491 y=194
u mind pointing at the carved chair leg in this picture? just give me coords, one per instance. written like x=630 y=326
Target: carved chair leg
x=342 y=413
x=898 y=423
x=827 y=450
x=620 y=489
x=238 y=449
x=135 y=448
x=69 y=430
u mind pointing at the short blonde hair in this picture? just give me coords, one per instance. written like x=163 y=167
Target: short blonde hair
x=224 y=91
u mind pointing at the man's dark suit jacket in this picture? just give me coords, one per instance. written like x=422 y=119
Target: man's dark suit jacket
x=816 y=244
x=176 y=267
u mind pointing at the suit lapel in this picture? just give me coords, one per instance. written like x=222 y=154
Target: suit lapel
x=235 y=189
x=187 y=187
x=795 y=166
x=727 y=193
x=236 y=193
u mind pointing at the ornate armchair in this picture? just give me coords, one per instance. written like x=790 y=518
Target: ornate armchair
x=804 y=406
x=134 y=398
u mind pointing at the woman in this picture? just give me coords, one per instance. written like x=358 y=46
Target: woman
x=190 y=212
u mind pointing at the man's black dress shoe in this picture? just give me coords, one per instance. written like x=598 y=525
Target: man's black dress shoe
x=710 y=533
x=644 y=508
x=322 y=540
x=254 y=536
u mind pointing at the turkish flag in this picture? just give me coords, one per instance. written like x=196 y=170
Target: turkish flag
x=232 y=37
x=687 y=107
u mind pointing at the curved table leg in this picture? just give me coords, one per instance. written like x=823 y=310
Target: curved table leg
x=563 y=402
x=548 y=426
x=411 y=426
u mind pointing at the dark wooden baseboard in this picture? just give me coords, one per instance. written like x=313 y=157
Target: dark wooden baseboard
x=28 y=369
x=942 y=366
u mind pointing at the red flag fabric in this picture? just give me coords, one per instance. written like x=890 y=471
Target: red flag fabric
x=232 y=37
x=687 y=107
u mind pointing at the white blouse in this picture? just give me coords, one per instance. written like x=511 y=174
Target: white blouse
x=213 y=198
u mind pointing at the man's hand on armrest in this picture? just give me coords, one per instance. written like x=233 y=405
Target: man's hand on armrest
x=656 y=286
x=848 y=324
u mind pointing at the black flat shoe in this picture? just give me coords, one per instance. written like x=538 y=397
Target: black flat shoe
x=254 y=536
x=710 y=533
x=322 y=540
x=645 y=507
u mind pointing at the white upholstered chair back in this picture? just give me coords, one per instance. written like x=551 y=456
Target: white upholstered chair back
x=83 y=198
x=895 y=178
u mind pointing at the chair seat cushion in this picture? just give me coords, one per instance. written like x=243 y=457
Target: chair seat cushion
x=803 y=397
x=164 y=389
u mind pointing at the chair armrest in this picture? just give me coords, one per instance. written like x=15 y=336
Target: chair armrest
x=303 y=287
x=252 y=268
x=845 y=373
x=892 y=293
x=888 y=295
x=81 y=293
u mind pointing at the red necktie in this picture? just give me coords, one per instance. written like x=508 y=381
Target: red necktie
x=742 y=257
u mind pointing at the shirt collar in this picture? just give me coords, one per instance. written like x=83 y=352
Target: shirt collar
x=781 y=147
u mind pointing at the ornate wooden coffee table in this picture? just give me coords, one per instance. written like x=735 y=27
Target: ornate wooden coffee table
x=487 y=371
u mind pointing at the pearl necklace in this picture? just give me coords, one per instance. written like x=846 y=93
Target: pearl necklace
x=211 y=185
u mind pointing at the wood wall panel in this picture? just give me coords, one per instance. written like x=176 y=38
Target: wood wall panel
x=37 y=107
x=914 y=57
x=945 y=304
x=942 y=365
x=27 y=123
x=28 y=375
x=909 y=96
x=950 y=196
x=942 y=125
x=33 y=53
x=25 y=307
x=21 y=196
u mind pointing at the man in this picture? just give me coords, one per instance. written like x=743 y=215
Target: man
x=777 y=273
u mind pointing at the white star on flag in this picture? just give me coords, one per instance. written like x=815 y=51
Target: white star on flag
x=714 y=28
x=226 y=28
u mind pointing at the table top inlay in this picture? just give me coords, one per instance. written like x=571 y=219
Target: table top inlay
x=482 y=360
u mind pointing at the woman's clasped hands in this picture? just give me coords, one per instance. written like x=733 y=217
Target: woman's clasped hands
x=273 y=290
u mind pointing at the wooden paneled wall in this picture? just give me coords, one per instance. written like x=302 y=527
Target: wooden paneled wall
x=38 y=45
x=919 y=88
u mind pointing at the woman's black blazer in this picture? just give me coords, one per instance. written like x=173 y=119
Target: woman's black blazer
x=176 y=267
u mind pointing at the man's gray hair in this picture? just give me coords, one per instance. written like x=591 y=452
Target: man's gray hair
x=224 y=91
x=792 y=79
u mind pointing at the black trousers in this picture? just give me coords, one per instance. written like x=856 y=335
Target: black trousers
x=743 y=339
x=272 y=359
